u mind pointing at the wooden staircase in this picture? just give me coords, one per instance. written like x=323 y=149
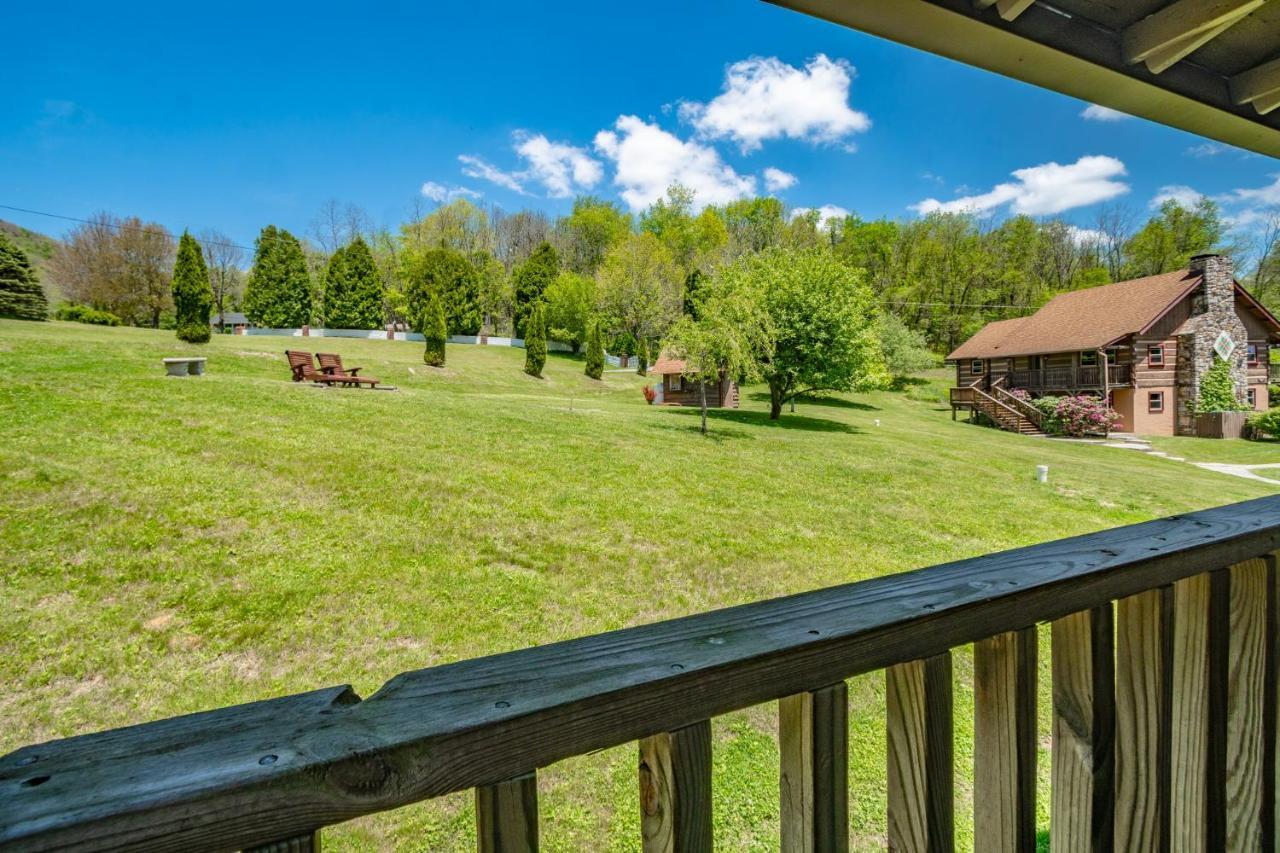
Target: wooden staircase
x=1008 y=412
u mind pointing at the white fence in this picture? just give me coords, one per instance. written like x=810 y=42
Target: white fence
x=381 y=335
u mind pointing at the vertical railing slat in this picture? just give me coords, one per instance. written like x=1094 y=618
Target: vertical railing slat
x=1218 y=642
x=1081 y=819
x=675 y=790
x=1004 y=742
x=1143 y=659
x=920 y=753
x=1271 y=706
x=1189 y=715
x=813 y=737
x=308 y=843
x=1246 y=682
x=507 y=816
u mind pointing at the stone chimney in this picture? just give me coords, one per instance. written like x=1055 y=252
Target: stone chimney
x=1213 y=312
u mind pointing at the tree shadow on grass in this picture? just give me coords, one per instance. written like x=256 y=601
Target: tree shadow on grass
x=717 y=418
x=833 y=402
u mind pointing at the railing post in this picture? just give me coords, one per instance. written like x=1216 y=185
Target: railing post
x=507 y=816
x=675 y=790
x=920 y=751
x=1189 y=714
x=813 y=736
x=1144 y=660
x=1004 y=742
x=1083 y=732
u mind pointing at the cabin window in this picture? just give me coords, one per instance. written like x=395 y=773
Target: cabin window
x=1112 y=356
x=1251 y=397
x=1088 y=359
x=1155 y=355
x=673 y=381
x=1252 y=350
x=977 y=367
x=1155 y=402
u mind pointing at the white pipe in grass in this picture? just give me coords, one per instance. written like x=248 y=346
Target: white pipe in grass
x=1042 y=473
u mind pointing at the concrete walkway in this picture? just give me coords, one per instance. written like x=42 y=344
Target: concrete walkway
x=1124 y=441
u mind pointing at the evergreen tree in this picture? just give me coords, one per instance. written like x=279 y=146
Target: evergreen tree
x=642 y=356
x=353 y=296
x=336 y=290
x=531 y=279
x=535 y=342
x=192 y=295
x=454 y=280
x=278 y=293
x=595 y=351
x=21 y=296
x=434 y=330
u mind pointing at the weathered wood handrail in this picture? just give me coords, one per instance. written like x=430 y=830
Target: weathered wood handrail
x=1027 y=410
x=250 y=775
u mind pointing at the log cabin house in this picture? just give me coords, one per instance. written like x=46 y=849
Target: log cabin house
x=673 y=389
x=1143 y=344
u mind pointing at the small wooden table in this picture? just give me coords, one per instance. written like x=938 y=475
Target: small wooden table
x=184 y=366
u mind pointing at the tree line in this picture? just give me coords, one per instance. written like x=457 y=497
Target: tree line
x=942 y=276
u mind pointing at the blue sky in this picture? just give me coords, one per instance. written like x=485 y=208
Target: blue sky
x=250 y=114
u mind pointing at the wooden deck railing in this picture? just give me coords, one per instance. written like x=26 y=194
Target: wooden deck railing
x=1164 y=715
x=1069 y=378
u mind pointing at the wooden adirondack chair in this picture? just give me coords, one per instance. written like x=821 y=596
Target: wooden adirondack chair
x=304 y=368
x=331 y=365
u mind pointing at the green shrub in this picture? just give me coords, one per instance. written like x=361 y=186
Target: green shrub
x=435 y=331
x=84 y=314
x=595 y=351
x=1273 y=393
x=1218 y=391
x=1265 y=423
x=535 y=342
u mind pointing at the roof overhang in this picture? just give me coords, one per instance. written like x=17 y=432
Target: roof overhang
x=1209 y=67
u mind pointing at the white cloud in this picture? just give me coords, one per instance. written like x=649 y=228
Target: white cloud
x=476 y=167
x=1181 y=193
x=1097 y=112
x=1264 y=196
x=440 y=192
x=560 y=168
x=765 y=98
x=1043 y=190
x=1206 y=149
x=648 y=159
x=776 y=180
x=1086 y=236
x=825 y=214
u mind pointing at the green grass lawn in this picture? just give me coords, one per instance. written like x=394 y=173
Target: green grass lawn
x=172 y=545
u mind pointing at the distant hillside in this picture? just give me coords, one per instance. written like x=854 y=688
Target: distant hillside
x=39 y=248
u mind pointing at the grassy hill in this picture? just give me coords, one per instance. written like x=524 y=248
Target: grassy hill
x=39 y=248
x=178 y=544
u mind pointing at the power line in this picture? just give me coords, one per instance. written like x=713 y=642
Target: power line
x=119 y=227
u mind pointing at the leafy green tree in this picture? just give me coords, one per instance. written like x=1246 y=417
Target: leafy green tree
x=1218 y=390
x=192 y=295
x=754 y=224
x=496 y=299
x=21 y=296
x=1170 y=238
x=454 y=279
x=640 y=287
x=460 y=225
x=822 y=321
x=724 y=340
x=278 y=292
x=353 y=292
x=530 y=280
x=595 y=350
x=535 y=342
x=590 y=230
x=570 y=301
x=434 y=330
x=905 y=350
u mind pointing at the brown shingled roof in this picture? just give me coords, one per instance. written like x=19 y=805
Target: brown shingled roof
x=1082 y=319
x=666 y=365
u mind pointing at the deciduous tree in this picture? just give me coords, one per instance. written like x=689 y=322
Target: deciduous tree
x=640 y=287
x=570 y=301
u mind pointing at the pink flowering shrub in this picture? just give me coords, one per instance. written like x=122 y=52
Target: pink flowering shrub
x=1083 y=415
x=1022 y=394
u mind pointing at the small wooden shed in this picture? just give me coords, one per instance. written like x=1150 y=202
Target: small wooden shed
x=674 y=390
